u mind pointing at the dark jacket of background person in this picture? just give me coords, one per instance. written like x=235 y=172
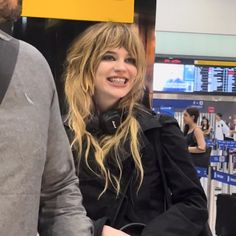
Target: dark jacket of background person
x=38 y=186
x=188 y=214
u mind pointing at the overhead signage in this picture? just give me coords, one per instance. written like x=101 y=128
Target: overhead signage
x=91 y=10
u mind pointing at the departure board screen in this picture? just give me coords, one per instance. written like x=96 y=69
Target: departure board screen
x=215 y=79
x=195 y=76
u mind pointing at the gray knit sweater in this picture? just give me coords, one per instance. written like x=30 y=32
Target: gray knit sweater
x=37 y=179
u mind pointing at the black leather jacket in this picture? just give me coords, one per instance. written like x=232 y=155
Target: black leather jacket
x=186 y=216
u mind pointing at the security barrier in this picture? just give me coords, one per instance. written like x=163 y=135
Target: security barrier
x=220 y=176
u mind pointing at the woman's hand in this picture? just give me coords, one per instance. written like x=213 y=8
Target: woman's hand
x=109 y=231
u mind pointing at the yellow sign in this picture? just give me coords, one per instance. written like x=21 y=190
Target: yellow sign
x=92 y=10
x=215 y=63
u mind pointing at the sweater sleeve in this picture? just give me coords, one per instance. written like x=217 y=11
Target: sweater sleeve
x=188 y=213
x=61 y=210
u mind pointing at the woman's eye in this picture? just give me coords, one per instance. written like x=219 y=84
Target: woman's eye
x=108 y=58
x=131 y=61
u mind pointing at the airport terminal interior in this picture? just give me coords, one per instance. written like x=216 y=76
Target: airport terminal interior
x=191 y=62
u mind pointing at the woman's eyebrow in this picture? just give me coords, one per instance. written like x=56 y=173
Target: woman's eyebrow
x=110 y=52
x=115 y=53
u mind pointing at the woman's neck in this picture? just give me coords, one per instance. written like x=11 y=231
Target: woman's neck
x=102 y=107
x=192 y=127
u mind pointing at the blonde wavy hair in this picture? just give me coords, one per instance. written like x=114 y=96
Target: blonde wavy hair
x=82 y=62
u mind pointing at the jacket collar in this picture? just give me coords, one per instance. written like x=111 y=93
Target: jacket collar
x=146 y=118
x=5 y=36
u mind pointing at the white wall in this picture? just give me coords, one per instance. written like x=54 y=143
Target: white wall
x=198 y=16
x=195 y=44
x=196 y=28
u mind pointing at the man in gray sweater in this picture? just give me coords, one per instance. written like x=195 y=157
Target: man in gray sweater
x=38 y=187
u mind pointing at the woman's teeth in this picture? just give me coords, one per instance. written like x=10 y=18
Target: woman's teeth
x=118 y=80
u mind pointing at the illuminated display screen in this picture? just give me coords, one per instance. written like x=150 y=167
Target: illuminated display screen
x=194 y=77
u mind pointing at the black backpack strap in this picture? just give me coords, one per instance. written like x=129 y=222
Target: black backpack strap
x=155 y=140
x=9 y=48
x=121 y=201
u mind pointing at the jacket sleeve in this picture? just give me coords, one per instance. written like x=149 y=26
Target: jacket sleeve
x=188 y=212
x=61 y=211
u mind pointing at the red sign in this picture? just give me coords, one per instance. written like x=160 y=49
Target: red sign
x=211 y=109
x=173 y=61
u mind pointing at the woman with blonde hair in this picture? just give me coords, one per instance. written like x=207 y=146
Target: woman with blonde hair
x=120 y=147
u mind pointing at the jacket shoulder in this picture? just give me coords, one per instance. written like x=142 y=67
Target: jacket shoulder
x=148 y=119
x=165 y=119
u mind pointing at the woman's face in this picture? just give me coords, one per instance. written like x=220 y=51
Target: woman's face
x=218 y=118
x=187 y=118
x=114 y=77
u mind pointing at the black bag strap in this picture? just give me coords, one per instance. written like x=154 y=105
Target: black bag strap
x=155 y=140
x=9 y=48
x=157 y=152
x=122 y=198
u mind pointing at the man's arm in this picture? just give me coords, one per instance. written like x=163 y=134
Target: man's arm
x=61 y=211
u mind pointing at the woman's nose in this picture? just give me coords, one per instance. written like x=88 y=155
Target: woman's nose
x=120 y=66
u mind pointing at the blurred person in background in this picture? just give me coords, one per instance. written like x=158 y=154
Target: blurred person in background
x=222 y=131
x=206 y=127
x=233 y=127
x=193 y=133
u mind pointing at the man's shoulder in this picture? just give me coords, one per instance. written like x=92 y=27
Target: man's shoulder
x=222 y=122
x=28 y=50
x=32 y=66
x=33 y=58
